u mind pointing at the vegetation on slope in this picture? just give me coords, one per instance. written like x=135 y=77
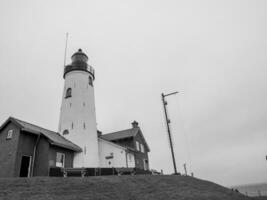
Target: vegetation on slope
x=115 y=187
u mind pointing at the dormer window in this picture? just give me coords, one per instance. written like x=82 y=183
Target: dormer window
x=90 y=81
x=68 y=93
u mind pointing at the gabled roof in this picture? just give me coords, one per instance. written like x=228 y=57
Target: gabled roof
x=100 y=138
x=53 y=137
x=124 y=134
x=121 y=134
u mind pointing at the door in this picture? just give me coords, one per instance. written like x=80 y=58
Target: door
x=146 y=164
x=25 y=166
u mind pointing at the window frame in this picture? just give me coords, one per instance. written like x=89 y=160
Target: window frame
x=63 y=162
x=9 y=134
x=142 y=147
x=137 y=145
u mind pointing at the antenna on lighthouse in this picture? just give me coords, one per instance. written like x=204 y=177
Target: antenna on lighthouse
x=66 y=45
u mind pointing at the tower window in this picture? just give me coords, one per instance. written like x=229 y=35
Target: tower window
x=83 y=125
x=90 y=81
x=68 y=93
x=72 y=125
x=65 y=132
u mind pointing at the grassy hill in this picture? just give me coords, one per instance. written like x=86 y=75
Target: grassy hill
x=115 y=187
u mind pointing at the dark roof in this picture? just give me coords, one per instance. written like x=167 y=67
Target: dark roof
x=121 y=134
x=80 y=52
x=123 y=146
x=124 y=134
x=54 y=137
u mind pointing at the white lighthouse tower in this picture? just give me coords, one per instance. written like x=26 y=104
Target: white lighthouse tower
x=77 y=115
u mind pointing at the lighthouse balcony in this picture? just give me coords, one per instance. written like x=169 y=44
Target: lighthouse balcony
x=81 y=67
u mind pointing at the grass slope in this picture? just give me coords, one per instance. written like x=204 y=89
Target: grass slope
x=114 y=187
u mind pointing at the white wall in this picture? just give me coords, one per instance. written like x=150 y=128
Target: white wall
x=119 y=155
x=130 y=160
x=79 y=109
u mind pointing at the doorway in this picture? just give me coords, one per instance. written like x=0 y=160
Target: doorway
x=25 y=167
x=146 y=167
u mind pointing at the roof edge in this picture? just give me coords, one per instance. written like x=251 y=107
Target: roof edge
x=13 y=120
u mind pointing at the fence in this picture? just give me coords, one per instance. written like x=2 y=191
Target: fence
x=78 y=172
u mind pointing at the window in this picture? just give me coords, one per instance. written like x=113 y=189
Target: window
x=137 y=146
x=68 y=93
x=65 y=132
x=72 y=125
x=84 y=125
x=60 y=160
x=142 y=148
x=90 y=81
x=9 y=134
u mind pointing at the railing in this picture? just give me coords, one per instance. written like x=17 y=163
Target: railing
x=82 y=67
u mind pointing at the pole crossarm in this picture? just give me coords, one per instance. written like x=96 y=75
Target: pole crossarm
x=165 y=95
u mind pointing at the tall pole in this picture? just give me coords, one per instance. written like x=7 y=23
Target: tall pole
x=168 y=128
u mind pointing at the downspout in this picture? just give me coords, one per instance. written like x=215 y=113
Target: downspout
x=34 y=153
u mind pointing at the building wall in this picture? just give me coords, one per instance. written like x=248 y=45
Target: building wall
x=77 y=115
x=41 y=167
x=25 y=148
x=119 y=159
x=8 y=151
x=139 y=156
x=52 y=156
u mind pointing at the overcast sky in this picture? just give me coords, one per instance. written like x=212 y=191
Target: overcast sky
x=212 y=52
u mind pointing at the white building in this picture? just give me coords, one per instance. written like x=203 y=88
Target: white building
x=77 y=123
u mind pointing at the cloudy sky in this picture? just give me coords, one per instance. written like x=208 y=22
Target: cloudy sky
x=213 y=52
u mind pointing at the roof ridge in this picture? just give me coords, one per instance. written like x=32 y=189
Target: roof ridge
x=34 y=125
x=43 y=129
x=120 y=131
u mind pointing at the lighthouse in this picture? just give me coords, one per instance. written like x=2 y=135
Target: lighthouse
x=77 y=120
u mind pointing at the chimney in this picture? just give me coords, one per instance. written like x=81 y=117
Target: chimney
x=135 y=124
